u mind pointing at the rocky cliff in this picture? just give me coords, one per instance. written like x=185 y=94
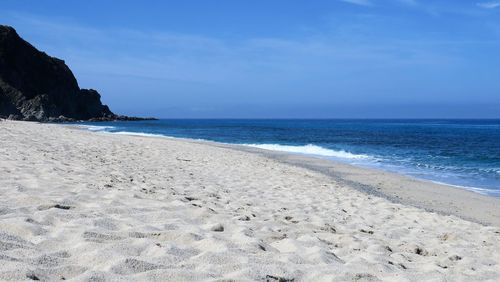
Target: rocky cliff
x=35 y=86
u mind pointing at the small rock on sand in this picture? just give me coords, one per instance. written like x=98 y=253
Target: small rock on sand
x=217 y=228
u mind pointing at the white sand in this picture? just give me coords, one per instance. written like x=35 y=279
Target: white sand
x=94 y=206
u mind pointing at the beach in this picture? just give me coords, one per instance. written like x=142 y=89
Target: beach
x=90 y=206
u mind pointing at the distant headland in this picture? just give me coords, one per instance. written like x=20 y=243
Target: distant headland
x=37 y=87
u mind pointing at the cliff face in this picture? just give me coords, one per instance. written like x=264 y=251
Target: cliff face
x=35 y=86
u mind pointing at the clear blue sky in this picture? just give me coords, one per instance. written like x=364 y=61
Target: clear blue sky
x=276 y=58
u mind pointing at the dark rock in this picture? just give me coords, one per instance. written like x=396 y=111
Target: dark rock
x=217 y=228
x=455 y=258
x=62 y=207
x=244 y=218
x=14 y=117
x=270 y=278
x=37 y=87
x=32 y=276
x=421 y=252
x=366 y=231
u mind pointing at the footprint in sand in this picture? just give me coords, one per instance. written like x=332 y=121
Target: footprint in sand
x=132 y=266
x=100 y=237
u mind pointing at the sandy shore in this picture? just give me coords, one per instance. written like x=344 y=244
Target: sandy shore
x=443 y=199
x=95 y=206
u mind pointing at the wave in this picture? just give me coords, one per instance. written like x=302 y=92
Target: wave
x=96 y=127
x=310 y=149
x=479 y=190
x=140 y=134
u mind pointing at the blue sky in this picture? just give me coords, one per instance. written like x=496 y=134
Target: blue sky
x=276 y=59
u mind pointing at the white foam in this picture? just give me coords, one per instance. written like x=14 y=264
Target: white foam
x=310 y=149
x=483 y=191
x=96 y=128
x=140 y=134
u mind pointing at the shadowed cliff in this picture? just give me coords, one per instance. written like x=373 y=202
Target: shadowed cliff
x=35 y=86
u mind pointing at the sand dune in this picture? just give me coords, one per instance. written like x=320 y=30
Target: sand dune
x=95 y=206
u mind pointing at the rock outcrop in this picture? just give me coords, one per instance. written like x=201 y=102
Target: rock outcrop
x=37 y=87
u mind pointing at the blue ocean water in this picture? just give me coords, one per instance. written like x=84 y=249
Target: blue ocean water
x=463 y=153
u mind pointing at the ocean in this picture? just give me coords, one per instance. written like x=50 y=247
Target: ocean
x=463 y=153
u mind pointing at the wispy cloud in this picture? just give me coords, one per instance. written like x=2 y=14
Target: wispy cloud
x=489 y=4
x=197 y=58
x=358 y=2
x=212 y=60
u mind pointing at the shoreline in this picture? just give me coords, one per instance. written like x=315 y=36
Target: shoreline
x=431 y=196
x=86 y=206
x=425 y=194
x=476 y=190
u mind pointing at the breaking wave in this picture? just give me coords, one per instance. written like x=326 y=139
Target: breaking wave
x=310 y=149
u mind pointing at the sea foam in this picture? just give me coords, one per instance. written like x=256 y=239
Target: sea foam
x=140 y=134
x=96 y=128
x=310 y=149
